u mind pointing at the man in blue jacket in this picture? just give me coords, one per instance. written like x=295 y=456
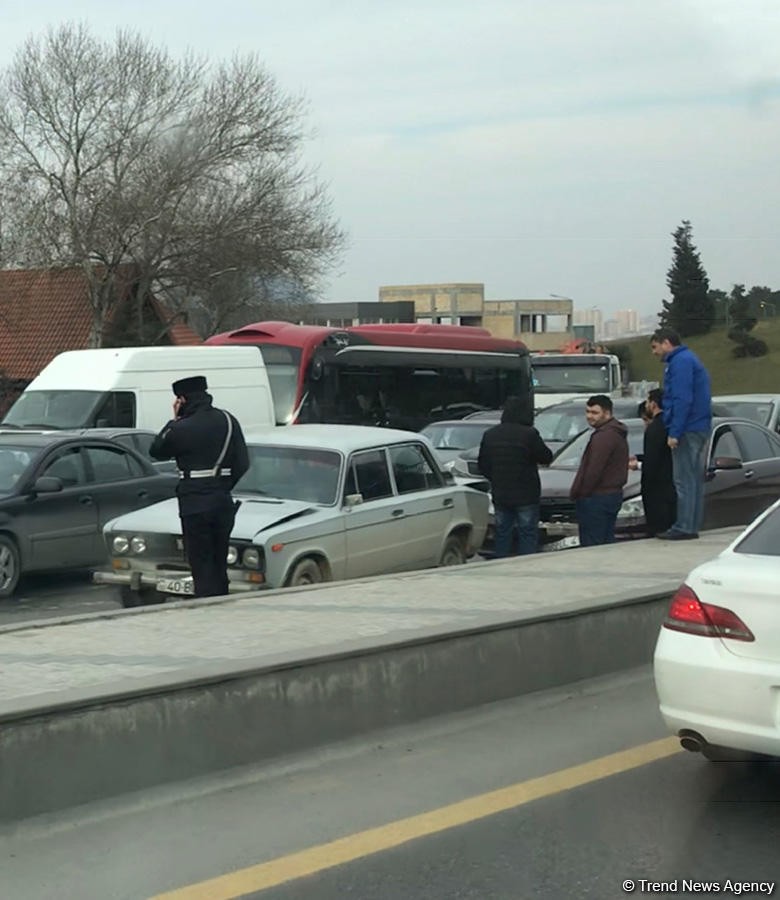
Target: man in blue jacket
x=687 y=412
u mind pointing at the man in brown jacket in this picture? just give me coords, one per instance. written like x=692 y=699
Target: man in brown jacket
x=598 y=485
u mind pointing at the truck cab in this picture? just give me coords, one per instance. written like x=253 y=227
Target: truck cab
x=566 y=376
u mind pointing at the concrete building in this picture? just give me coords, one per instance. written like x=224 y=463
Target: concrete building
x=540 y=324
x=592 y=316
x=342 y=315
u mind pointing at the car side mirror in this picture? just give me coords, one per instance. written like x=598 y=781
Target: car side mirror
x=47 y=484
x=449 y=478
x=726 y=462
x=353 y=500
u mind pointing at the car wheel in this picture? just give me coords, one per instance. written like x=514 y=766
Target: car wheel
x=453 y=553
x=10 y=569
x=144 y=597
x=305 y=572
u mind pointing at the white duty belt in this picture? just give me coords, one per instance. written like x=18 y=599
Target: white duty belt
x=217 y=469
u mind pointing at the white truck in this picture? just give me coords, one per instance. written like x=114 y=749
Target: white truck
x=130 y=387
x=567 y=376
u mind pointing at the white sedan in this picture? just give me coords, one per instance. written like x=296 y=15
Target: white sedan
x=717 y=659
x=319 y=503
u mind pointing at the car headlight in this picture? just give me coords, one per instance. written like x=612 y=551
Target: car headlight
x=251 y=558
x=232 y=556
x=120 y=544
x=138 y=544
x=459 y=466
x=632 y=509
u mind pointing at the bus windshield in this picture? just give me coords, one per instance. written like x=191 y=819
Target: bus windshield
x=408 y=397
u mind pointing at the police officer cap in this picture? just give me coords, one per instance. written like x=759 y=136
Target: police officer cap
x=191 y=385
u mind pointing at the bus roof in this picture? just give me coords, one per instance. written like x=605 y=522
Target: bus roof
x=402 y=334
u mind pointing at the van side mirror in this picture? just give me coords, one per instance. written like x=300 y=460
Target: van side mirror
x=353 y=500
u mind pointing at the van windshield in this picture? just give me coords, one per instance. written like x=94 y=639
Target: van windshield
x=54 y=409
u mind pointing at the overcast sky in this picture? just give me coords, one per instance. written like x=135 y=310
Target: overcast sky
x=538 y=146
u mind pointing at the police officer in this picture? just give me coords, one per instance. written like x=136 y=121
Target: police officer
x=211 y=454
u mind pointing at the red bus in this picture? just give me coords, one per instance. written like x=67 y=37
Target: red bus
x=398 y=375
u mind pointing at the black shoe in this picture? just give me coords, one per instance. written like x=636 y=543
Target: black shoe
x=677 y=535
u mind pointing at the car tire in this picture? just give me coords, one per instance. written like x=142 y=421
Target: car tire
x=10 y=568
x=453 y=553
x=306 y=571
x=143 y=597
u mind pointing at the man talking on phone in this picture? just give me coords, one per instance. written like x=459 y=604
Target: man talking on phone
x=211 y=456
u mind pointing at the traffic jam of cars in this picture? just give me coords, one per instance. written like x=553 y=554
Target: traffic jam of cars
x=332 y=502
x=322 y=503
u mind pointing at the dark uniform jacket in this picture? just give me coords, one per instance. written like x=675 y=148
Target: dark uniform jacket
x=509 y=456
x=195 y=440
x=604 y=465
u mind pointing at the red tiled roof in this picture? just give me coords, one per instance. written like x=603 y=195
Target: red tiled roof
x=44 y=312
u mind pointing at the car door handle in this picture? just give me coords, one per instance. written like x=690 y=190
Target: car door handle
x=397 y=513
x=750 y=473
x=449 y=502
x=142 y=495
x=86 y=500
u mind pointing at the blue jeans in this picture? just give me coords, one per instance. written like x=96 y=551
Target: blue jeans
x=688 y=473
x=596 y=517
x=526 y=518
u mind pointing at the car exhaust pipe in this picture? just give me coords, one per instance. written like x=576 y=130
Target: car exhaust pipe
x=692 y=742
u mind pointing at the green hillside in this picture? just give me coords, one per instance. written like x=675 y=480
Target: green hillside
x=729 y=375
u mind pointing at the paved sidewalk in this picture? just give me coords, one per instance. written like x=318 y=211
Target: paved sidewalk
x=118 y=650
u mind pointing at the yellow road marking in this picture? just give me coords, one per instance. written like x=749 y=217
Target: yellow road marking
x=365 y=843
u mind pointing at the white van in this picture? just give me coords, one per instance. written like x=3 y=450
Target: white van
x=126 y=387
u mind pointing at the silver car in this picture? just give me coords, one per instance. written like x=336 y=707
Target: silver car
x=319 y=503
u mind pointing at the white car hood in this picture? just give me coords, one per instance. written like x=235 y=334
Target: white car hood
x=254 y=515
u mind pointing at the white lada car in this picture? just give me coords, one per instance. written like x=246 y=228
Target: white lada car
x=319 y=503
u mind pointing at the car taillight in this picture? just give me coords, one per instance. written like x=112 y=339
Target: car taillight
x=687 y=613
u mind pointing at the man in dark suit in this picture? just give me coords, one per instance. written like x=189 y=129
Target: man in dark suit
x=658 y=493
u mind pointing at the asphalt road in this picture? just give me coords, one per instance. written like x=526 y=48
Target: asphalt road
x=566 y=793
x=52 y=595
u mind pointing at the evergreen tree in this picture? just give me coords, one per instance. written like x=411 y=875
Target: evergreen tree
x=691 y=309
x=743 y=321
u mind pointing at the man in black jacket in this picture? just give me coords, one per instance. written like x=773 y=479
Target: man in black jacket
x=658 y=494
x=509 y=457
x=211 y=454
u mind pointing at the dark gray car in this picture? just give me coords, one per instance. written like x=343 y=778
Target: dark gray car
x=57 y=491
x=742 y=479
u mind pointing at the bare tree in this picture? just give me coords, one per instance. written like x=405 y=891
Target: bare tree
x=115 y=157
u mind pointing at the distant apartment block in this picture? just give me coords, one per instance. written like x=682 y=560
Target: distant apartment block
x=628 y=321
x=591 y=316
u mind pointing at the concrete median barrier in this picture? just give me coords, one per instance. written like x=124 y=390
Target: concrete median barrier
x=91 y=744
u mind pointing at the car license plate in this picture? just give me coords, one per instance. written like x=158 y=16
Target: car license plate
x=182 y=585
x=564 y=543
